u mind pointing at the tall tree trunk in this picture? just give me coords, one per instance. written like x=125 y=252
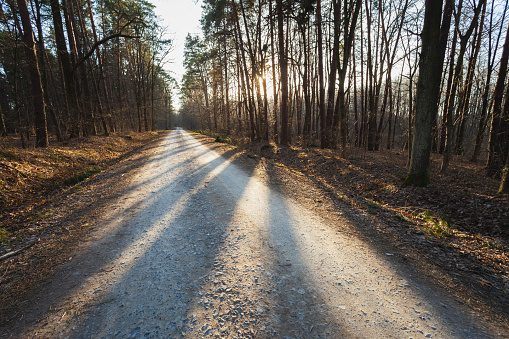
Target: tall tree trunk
x=41 y=51
x=465 y=100
x=485 y=102
x=283 y=64
x=41 y=129
x=82 y=46
x=350 y=22
x=3 y=131
x=65 y=61
x=306 y=83
x=17 y=109
x=447 y=119
x=274 y=87
x=504 y=183
x=102 y=84
x=370 y=92
x=331 y=90
x=227 y=86
x=458 y=71
x=249 y=97
x=499 y=123
x=321 y=87
x=428 y=88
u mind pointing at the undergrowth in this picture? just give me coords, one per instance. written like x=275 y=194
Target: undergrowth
x=4 y=235
x=85 y=174
x=221 y=139
x=437 y=226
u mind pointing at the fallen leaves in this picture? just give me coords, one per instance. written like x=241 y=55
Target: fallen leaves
x=459 y=210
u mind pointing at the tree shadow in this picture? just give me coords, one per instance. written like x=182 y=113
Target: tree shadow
x=378 y=252
x=157 y=219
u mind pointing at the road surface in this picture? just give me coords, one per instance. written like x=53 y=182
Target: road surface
x=196 y=247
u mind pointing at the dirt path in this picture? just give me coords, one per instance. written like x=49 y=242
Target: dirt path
x=197 y=247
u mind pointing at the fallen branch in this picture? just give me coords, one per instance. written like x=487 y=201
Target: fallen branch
x=13 y=253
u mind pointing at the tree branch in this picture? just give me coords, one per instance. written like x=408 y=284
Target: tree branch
x=97 y=44
x=13 y=253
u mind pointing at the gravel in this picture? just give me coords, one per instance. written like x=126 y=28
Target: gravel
x=196 y=247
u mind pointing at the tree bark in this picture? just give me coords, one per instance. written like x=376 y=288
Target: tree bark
x=499 y=123
x=458 y=71
x=41 y=129
x=321 y=88
x=283 y=64
x=428 y=87
x=504 y=183
x=485 y=102
x=350 y=23
x=465 y=100
x=331 y=90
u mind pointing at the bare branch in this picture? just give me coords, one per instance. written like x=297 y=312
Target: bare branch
x=99 y=43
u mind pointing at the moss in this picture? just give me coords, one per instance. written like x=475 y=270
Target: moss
x=439 y=227
x=86 y=173
x=4 y=235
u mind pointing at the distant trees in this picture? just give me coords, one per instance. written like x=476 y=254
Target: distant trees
x=351 y=73
x=87 y=65
x=335 y=74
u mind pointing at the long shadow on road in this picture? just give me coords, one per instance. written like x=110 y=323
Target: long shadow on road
x=363 y=289
x=156 y=268
x=152 y=254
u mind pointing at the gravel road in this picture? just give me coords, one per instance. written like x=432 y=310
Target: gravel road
x=195 y=247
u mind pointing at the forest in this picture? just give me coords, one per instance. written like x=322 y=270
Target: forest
x=387 y=120
x=424 y=77
x=80 y=68
x=346 y=74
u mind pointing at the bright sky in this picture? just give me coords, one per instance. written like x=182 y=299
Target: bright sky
x=180 y=17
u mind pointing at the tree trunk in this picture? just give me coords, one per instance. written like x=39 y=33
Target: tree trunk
x=240 y=44
x=458 y=71
x=428 y=87
x=65 y=61
x=504 y=183
x=41 y=129
x=350 y=23
x=331 y=90
x=283 y=64
x=321 y=88
x=499 y=123
x=41 y=50
x=464 y=106
x=485 y=103
x=3 y=131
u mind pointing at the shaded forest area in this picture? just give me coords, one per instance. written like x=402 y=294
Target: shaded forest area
x=76 y=68
x=417 y=76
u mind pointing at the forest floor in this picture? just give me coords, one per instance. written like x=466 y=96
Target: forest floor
x=32 y=178
x=456 y=229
